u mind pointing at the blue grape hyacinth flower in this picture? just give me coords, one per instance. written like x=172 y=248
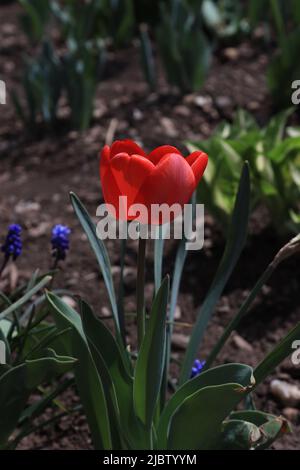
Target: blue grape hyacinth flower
x=197 y=368
x=60 y=241
x=12 y=247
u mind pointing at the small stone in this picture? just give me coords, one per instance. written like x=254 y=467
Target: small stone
x=292 y=414
x=223 y=101
x=182 y=110
x=137 y=114
x=129 y=276
x=40 y=230
x=253 y=105
x=24 y=207
x=231 y=53
x=202 y=101
x=287 y=393
x=241 y=343
x=168 y=127
x=180 y=341
x=105 y=312
x=115 y=270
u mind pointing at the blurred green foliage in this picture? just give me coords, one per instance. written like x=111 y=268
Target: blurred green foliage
x=185 y=31
x=273 y=153
x=284 y=19
x=182 y=34
x=30 y=361
x=75 y=73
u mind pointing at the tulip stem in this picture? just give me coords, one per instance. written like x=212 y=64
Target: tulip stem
x=140 y=286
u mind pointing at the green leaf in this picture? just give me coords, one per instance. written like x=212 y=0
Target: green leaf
x=88 y=381
x=158 y=254
x=239 y=435
x=147 y=57
x=196 y=423
x=239 y=431
x=99 y=250
x=17 y=383
x=235 y=243
x=150 y=362
x=27 y=296
x=112 y=364
x=229 y=373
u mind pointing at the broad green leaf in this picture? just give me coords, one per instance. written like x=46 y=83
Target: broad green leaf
x=238 y=431
x=99 y=250
x=272 y=430
x=253 y=416
x=239 y=435
x=88 y=381
x=229 y=373
x=196 y=423
x=119 y=372
x=150 y=362
x=235 y=243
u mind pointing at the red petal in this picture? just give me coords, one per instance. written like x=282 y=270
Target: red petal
x=110 y=189
x=160 y=152
x=171 y=182
x=198 y=161
x=130 y=173
x=127 y=146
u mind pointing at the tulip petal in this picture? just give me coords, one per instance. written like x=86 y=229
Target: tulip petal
x=104 y=160
x=110 y=189
x=126 y=146
x=156 y=154
x=130 y=173
x=198 y=161
x=171 y=182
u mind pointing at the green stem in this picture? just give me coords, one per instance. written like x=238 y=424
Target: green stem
x=121 y=313
x=140 y=286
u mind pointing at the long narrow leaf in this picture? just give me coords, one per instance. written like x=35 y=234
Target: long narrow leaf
x=99 y=250
x=87 y=378
x=25 y=297
x=235 y=243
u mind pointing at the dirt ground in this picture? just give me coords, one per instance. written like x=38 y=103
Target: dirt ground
x=37 y=175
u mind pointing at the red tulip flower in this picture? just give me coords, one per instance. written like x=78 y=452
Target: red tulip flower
x=163 y=176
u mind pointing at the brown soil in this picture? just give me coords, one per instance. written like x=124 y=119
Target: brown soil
x=37 y=175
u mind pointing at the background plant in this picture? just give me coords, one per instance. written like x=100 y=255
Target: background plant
x=273 y=153
x=124 y=394
x=185 y=33
x=282 y=19
x=29 y=360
